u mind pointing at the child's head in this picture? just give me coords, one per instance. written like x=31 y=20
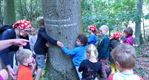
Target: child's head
x=92 y=29
x=24 y=56
x=40 y=21
x=104 y=29
x=128 y=31
x=91 y=51
x=124 y=56
x=81 y=40
x=33 y=31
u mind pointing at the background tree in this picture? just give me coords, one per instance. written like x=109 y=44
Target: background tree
x=29 y=9
x=62 y=22
x=138 y=21
x=9 y=12
x=1 y=21
x=114 y=13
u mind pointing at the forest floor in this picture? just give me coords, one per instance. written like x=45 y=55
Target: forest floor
x=142 y=65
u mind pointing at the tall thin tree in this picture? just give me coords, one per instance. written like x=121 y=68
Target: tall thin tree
x=1 y=21
x=138 y=21
x=9 y=12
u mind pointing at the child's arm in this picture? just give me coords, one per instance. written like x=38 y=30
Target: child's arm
x=69 y=52
x=48 y=38
x=33 y=66
x=66 y=50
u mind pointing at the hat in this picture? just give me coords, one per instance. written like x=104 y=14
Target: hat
x=116 y=35
x=22 y=24
x=92 y=28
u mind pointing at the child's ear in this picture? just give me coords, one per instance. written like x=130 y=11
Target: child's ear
x=25 y=60
x=87 y=54
x=117 y=64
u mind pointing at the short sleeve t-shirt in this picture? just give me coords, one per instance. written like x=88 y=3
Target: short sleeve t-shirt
x=24 y=73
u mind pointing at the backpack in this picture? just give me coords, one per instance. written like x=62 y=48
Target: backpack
x=92 y=75
x=4 y=28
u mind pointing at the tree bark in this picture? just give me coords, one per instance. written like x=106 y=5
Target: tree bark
x=1 y=19
x=20 y=9
x=9 y=12
x=138 y=22
x=144 y=31
x=62 y=22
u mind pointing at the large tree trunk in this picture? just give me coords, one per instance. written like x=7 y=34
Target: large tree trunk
x=62 y=21
x=9 y=12
x=138 y=22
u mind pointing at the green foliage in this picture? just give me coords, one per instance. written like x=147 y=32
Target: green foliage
x=29 y=9
x=113 y=13
x=147 y=16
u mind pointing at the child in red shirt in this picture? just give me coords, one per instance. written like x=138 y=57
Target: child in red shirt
x=24 y=57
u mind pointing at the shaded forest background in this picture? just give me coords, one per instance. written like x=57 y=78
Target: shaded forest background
x=117 y=14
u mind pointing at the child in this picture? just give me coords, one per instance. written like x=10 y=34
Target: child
x=124 y=57
x=92 y=39
x=24 y=57
x=114 y=41
x=128 y=39
x=40 y=47
x=104 y=51
x=78 y=53
x=6 y=43
x=103 y=47
x=90 y=67
x=32 y=38
x=20 y=28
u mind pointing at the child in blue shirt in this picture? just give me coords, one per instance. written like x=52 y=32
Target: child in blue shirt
x=92 y=39
x=77 y=53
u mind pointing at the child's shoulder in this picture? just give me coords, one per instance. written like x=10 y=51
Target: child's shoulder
x=80 y=47
x=106 y=37
x=89 y=62
x=118 y=76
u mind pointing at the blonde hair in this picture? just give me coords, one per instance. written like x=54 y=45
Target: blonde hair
x=125 y=55
x=39 y=18
x=104 y=27
x=91 y=51
x=23 y=54
x=40 y=21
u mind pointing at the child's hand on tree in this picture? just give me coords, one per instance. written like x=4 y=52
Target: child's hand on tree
x=60 y=44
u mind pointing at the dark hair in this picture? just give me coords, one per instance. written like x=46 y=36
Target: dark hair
x=83 y=39
x=41 y=22
x=128 y=31
x=114 y=43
